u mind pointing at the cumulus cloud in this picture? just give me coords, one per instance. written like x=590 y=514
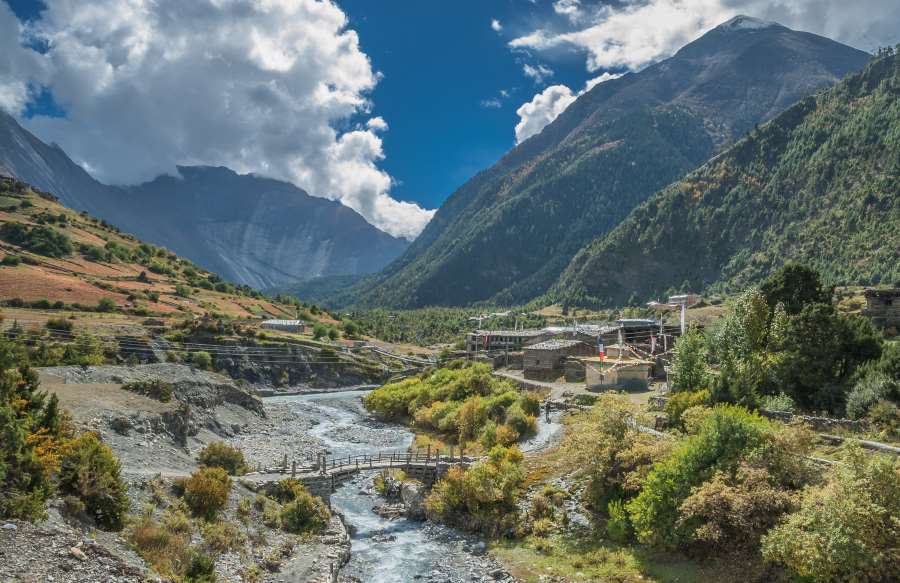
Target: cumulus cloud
x=635 y=33
x=259 y=86
x=538 y=73
x=495 y=25
x=21 y=69
x=548 y=104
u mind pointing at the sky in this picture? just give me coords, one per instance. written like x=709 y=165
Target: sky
x=385 y=106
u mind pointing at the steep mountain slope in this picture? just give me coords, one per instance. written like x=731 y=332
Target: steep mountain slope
x=251 y=230
x=818 y=184
x=506 y=235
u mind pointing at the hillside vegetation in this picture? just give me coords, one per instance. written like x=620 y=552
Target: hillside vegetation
x=506 y=235
x=818 y=185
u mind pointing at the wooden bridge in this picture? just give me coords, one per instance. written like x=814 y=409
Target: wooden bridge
x=327 y=473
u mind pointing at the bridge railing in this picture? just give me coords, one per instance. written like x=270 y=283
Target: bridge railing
x=379 y=459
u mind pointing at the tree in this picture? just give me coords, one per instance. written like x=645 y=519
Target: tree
x=822 y=350
x=689 y=362
x=319 y=331
x=106 y=304
x=201 y=359
x=796 y=286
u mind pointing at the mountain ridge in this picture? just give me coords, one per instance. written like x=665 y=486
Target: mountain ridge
x=506 y=235
x=310 y=236
x=817 y=184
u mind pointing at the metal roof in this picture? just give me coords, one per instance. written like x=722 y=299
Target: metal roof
x=284 y=322
x=553 y=344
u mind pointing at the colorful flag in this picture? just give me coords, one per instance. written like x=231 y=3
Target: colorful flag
x=601 y=349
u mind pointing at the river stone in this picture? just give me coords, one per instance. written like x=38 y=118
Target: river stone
x=412 y=494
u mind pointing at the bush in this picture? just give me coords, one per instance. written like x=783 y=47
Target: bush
x=155 y=389
x=10 y=260
x=846 y=529
x=39 y=239
x=105 y=304
x=725 y=435
x=167 y=551
x=206 y=492
x=517 y=419
x=730 y=514
x=305 y=513
x=202 y=569
x=90 y=471
x=868 y=391
x=201 y=360
x=681 y=401
x=222 y=537
x=618 y=526
x=59 y=325
x=779 y=402
x=221 y=455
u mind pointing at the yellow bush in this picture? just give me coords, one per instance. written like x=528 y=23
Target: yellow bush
x=206 y=492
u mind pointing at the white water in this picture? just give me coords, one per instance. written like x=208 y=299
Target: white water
x=383 y=550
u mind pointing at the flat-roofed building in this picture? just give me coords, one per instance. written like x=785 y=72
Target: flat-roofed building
x=507 y=340
x=545 y=360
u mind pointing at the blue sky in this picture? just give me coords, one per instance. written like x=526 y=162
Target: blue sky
x=387 y=106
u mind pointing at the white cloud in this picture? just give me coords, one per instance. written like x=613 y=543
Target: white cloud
x=492 y=103
x=20 y=68
x=548 y=104
x=259 y=86
x=568 y=8
x=495 y=25
x=538 y=74
x=635 y=33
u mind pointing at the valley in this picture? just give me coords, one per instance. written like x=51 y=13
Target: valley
x=655 y=341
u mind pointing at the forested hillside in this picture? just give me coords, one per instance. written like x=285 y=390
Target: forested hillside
x=819 y=184
x=506 y=235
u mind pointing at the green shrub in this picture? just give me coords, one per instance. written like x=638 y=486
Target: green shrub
x=846 y=529
x=618 y=526
x=106 y=304
x=59 y=325
x=11 y=260
x=222 y=537
x=206 y=492
x=681 y=401
x=202 y=569
x=779 y=402
x=90 y=471
x=38 y=239
x=305 y=513
x=872 y=388
x=219 y=454
x=201 y=359
x=725 y=435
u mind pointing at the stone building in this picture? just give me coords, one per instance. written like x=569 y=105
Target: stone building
x=883 y=306
x=546 y=360
x=506 y=340
x=629 y=373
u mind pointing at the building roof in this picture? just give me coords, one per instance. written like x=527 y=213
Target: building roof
x=554 y=344
x=520 y=333
x=635 y=322
x=284 y=322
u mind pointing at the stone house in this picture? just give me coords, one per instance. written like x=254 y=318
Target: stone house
x=294 y=326
x=883 y=306
x=629 y=373
x=546 y=360
x=506 y=340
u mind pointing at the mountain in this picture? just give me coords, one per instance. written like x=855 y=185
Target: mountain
x=507 y=234
x=249 y=229
x=818 y=184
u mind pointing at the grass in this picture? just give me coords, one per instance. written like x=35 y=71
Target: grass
x=588 y=557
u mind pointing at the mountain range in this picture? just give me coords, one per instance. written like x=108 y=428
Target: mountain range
x=249 y=229
x=818 y=184
x=507 y=234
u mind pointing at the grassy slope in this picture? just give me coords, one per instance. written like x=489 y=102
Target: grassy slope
x=818 y=184
x=75 y=279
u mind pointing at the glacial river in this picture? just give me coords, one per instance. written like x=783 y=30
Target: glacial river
x=384 y=550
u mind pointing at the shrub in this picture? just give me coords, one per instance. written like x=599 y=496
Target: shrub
x=731 y=513
x=221 y=455
x=11 y=260
x=105 y=304
x=779 y=402
x=202 y=569
x=868 y=391
x=168 y=552
x=222 y=537
x=517 y=419
x=155 y=389
x=846 y=529
x=618 y=526
x=726 y=435
x=689 y=361
x=59 y=325
x=306 y=513
x=39 y=239
x=90 y=471
x=886 y=416
x=201 y=359
x=206 y=492
x=681 y=401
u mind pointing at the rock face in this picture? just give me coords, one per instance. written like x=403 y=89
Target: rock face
x=507 y=234
x=413 y=494
x=248 y=229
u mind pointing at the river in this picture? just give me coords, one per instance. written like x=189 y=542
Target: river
x=391 y=550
